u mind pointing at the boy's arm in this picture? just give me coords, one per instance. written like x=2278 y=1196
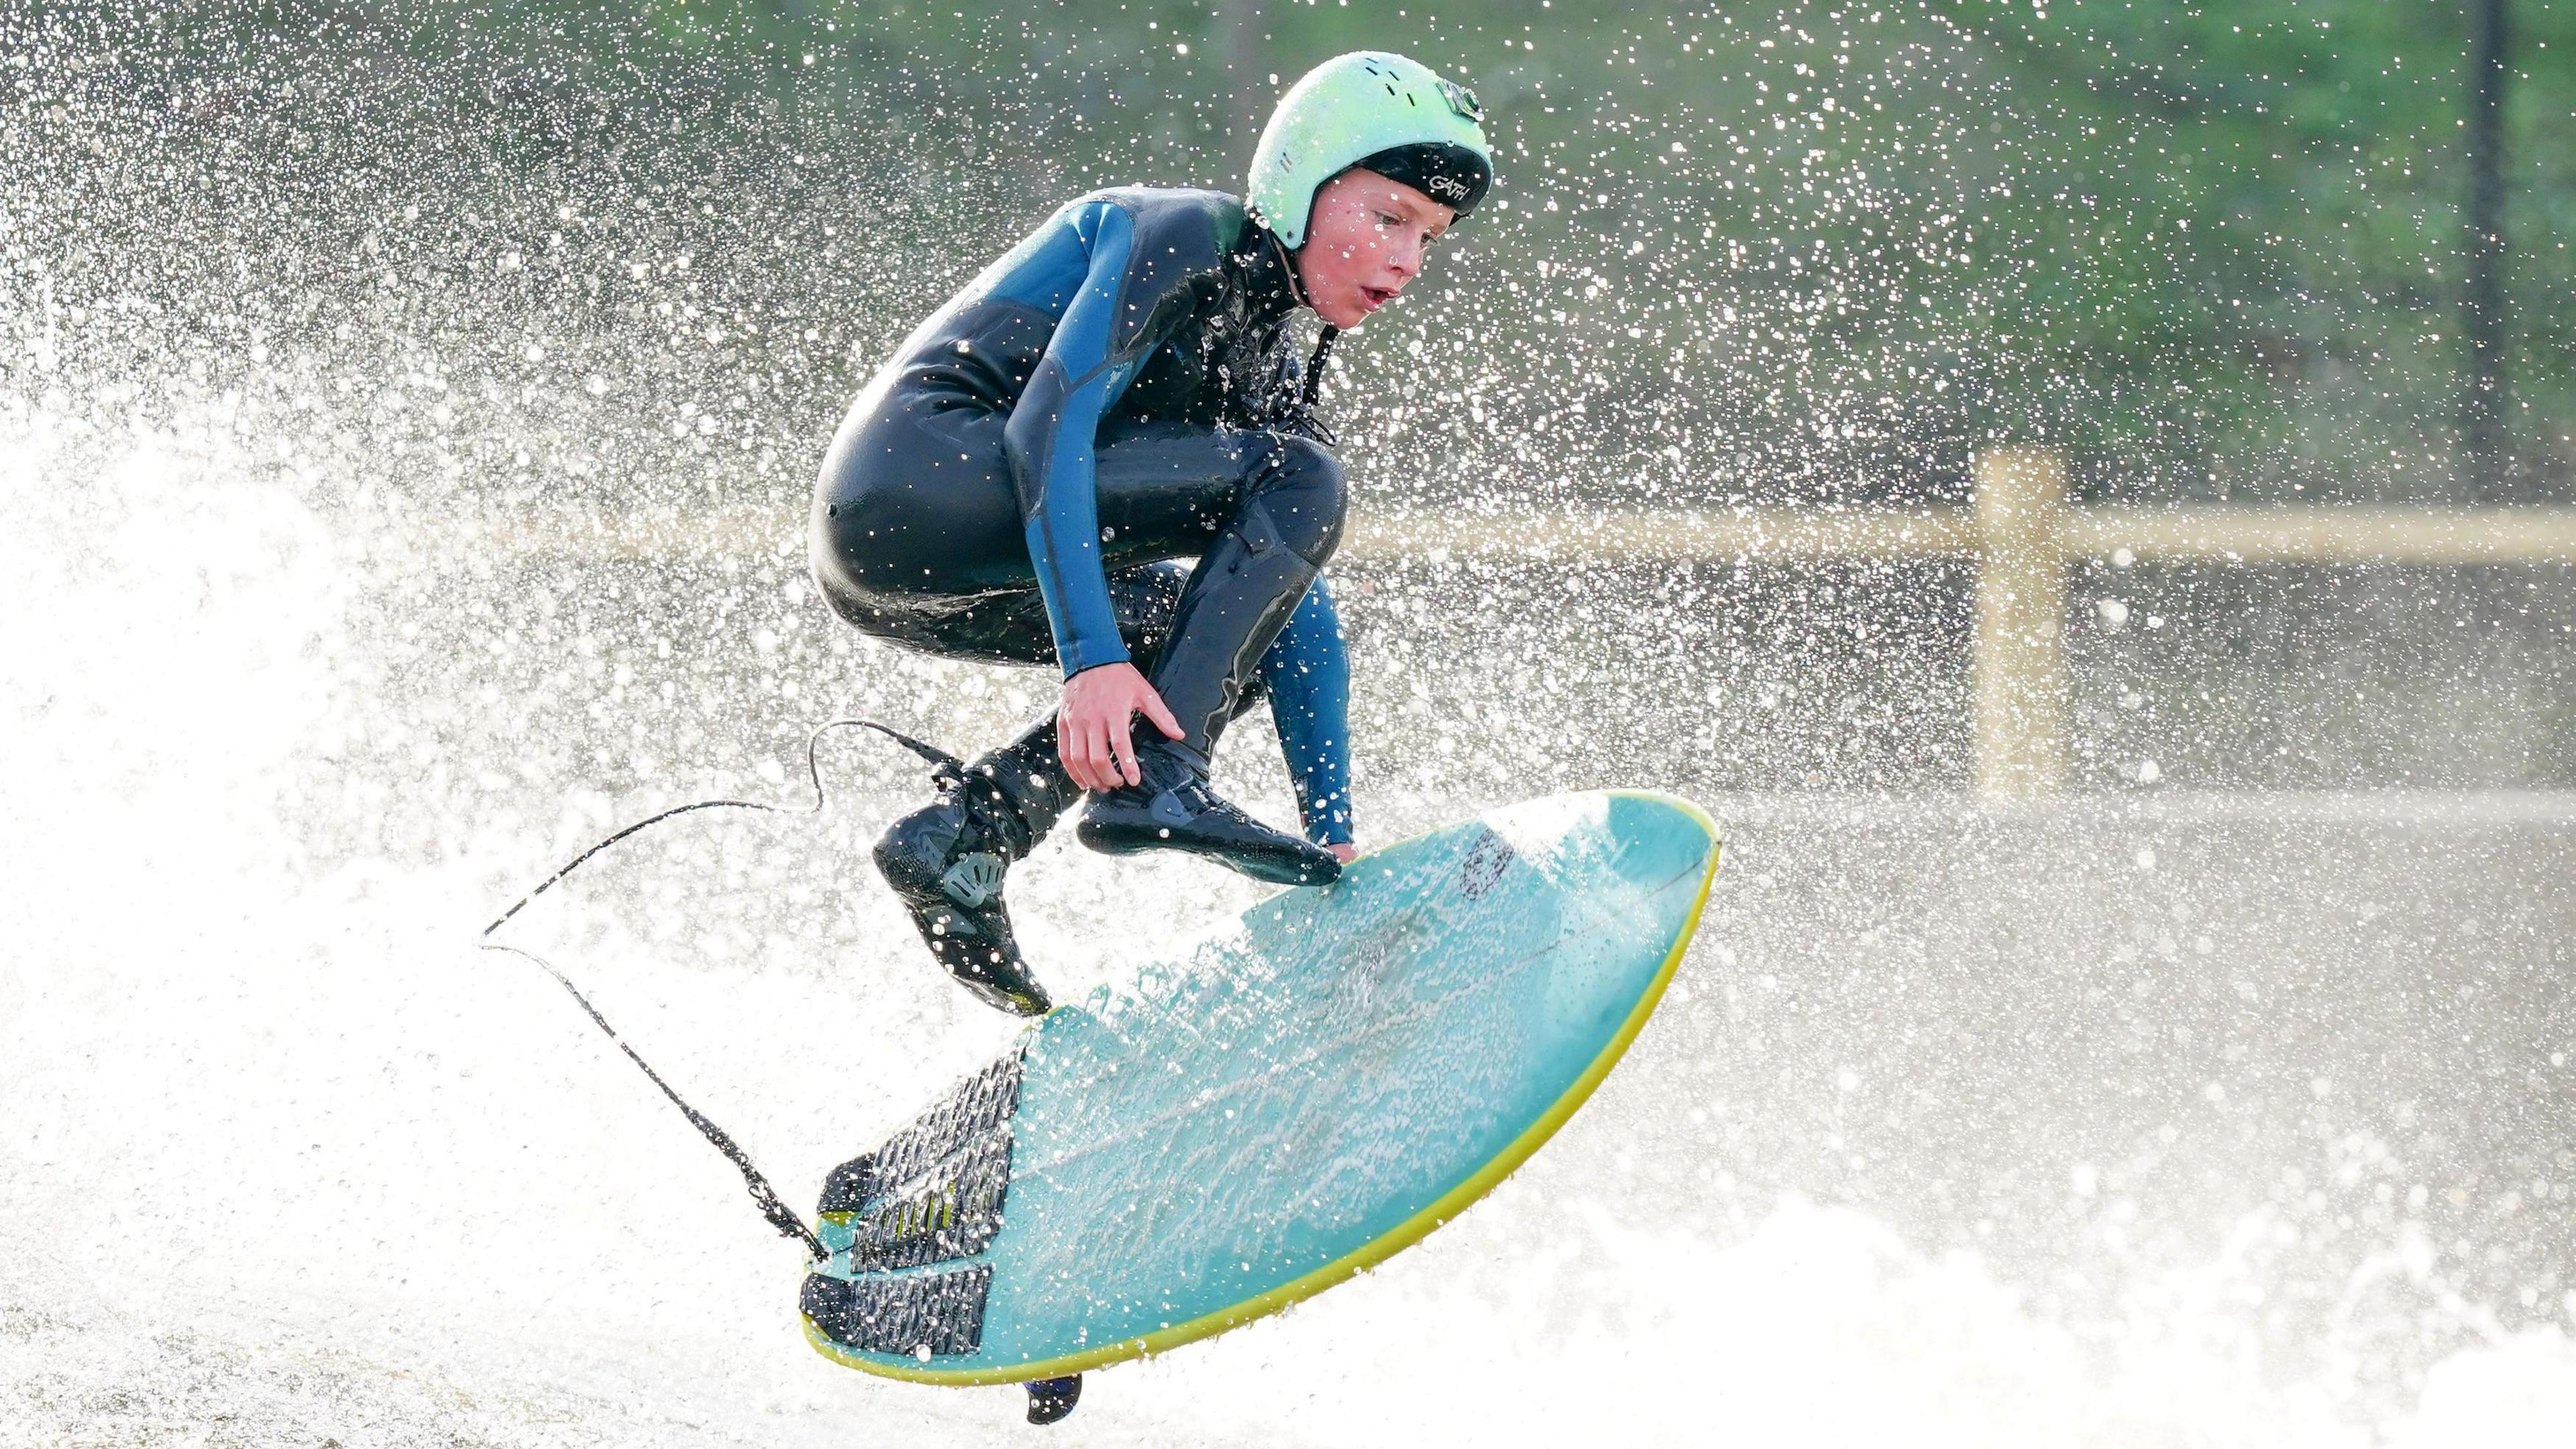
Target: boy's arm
x=1049 y=445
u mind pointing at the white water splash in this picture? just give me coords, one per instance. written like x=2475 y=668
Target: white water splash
x=285 y=1160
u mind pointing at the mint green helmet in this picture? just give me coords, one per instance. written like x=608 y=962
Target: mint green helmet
x=1369 y=107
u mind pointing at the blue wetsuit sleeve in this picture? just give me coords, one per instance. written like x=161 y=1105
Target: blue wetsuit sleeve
x=1049 y=442
x=1308 y=670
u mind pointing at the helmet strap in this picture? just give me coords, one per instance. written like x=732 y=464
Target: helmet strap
x=1288 y=263
x=1315 y=366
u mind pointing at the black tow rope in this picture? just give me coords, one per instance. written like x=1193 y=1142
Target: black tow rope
x=780 y=1216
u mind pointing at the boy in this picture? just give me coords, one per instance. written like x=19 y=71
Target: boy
x=1115 y=393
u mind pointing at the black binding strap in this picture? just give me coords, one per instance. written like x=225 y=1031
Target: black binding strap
x=779 y=1215
x=941 y=762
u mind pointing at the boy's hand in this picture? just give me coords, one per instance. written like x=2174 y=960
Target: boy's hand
x=1095 y=723
x=1344 y=852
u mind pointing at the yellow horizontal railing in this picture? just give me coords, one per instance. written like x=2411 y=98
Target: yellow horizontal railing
x=1673 y=535
x=2019 y=533
x=2222 y=533
x=2217 y=533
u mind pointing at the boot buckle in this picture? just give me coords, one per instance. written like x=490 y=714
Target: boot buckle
x=973 y=880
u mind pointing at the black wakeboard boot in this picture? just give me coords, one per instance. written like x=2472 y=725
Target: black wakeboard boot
x=1175 y=810
x=1237 y=600
x=946 y=862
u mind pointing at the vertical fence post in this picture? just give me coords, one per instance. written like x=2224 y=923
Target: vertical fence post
x=2019 y=664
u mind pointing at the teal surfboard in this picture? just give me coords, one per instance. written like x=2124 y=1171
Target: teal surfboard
x=1304 y=1092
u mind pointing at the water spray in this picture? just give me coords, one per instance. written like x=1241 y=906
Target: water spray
x=772 y=1208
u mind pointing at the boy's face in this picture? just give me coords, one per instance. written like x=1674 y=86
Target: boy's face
x=1364 y=241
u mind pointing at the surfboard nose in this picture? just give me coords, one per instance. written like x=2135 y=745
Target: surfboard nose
x=1627 y=872
x=1664 y=836
x=1661 y=849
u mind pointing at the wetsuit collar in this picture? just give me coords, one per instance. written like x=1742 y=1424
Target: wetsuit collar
x=1270 y=278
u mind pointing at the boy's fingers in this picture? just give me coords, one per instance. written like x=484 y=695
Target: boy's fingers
x=1096 y=756
x=1160 y=713
x=1078 y=757
x=1122 y=747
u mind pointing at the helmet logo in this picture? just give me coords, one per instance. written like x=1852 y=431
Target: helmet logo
x=1462 y=101
x=1447 y=186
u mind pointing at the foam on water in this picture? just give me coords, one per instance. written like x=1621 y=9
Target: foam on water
x=284 y=1159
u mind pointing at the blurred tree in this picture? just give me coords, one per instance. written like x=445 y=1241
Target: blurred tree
x=2483 y=321
x=1819 y=250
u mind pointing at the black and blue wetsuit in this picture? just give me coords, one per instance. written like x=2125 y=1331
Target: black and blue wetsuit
x=1119 y=391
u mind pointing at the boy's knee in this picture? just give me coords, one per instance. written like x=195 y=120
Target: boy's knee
x=1304 y=495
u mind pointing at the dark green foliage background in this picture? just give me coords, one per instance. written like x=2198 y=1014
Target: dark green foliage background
x=2215 y=250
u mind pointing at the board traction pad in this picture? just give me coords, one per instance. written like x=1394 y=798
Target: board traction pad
x=932 y=1193
x=906 y=1313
